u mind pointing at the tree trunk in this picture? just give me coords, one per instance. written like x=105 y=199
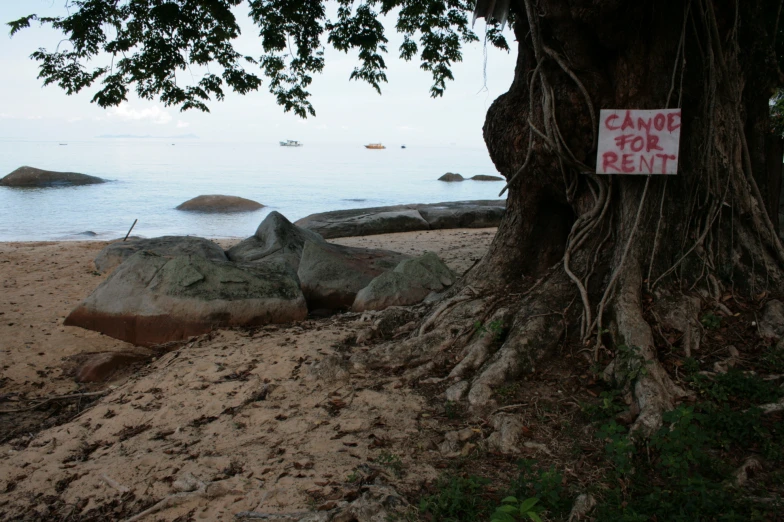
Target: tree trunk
x=578 y=253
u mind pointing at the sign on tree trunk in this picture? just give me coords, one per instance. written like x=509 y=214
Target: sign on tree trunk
x=638 y=142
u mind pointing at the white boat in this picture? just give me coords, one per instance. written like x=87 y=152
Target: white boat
x=290 y=143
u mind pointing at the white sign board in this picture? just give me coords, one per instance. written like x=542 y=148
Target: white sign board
x=638 y=142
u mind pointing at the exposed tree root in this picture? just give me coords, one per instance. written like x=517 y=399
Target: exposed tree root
x=654 y=390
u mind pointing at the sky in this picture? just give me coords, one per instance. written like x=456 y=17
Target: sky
x=346 y=111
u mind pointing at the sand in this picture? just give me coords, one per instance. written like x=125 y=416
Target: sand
x=271 y=419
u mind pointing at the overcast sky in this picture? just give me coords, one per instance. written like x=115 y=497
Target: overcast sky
x=347 y=111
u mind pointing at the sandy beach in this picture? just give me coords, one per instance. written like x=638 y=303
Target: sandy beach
x=267 y=420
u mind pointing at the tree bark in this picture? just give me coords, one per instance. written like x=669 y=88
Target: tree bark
x=605 y=242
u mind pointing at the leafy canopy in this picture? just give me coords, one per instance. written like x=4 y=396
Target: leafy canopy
x=150 y=45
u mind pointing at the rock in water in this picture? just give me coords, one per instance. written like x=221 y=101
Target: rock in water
x=219 y=204
x=168 y=246
x=409 y=283
x=331 y=275
x=151 y=300
x=450 y=177
x=485 y=177
x=276 y=240
x=32 y=177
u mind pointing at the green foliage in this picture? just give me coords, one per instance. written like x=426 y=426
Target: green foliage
x=711 y=321
x=773 y=359
x=736 y=387
x=152 y=46
x=619 y=447
x=457 y=499
x=629 y=363
x=512 y=509
x=494 y=328
x=544 y=484
x=609 y=406
x=684 y=472
x=392 y=462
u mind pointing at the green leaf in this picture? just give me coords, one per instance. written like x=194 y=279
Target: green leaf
x=534 y=516
x=509 y=500
x=528 y=504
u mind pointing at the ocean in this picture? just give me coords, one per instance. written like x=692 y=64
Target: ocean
x=150 y=177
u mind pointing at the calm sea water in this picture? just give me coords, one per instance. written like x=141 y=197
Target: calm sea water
x=151 y=177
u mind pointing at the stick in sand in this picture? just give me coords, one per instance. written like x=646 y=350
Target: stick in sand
x=129 y=230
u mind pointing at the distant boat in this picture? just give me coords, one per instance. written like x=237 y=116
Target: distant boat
x=290 y=143
x=375 y=146
x=63 y=144
x=402 y=146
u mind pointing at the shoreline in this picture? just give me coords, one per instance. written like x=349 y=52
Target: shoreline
x=196 y=395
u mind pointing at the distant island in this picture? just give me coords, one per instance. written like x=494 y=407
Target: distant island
x=148 y=137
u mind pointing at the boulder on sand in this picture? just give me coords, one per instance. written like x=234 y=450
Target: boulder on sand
x=168 y=246
x=219 y=204
x=468 y=214
x=365 y=221
x=450 y=177
x=150 y=299
x=409 y=283
x=276 y=240
x=33 y=177
x=405 y=218
x=331 y=275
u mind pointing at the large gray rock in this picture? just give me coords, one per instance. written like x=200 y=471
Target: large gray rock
x=167 y=246
x=150 y=299
x=771 y=324
x=276 y=240
x=33 y=177
x=451 y=177
x=479 y=214
x=365 y=222
x=331 y=275
x=218 y=203
x=409 y=283
x=405 y=218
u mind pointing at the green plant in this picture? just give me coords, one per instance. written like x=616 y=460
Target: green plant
x=392 y=462
x=737 y=387
x=629 y=364
x=619 y=447
x=773 y=359
x=494 y=328
x=711 y=321
x=544 y=484
x=608 y=406
x=511 y=509
x=457 y=499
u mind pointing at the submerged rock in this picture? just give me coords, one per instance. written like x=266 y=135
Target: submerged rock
x=168 y=246
x=33 y=177
x=219 y=204
x=150 y=299
x=276 y=240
